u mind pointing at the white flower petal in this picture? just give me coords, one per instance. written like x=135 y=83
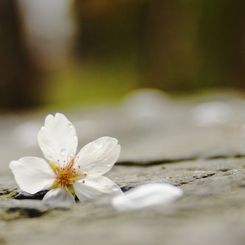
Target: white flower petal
x=99 y=156
x=146 y=196
x=94 y=187
x=58 y=139
x=32 y=174
x=59 y=196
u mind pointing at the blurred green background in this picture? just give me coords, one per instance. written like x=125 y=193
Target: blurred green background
x=67 y=53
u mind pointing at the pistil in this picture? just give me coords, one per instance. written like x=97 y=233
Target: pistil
x=65 y=176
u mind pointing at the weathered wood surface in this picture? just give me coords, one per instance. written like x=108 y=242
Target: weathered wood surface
x=198 y=147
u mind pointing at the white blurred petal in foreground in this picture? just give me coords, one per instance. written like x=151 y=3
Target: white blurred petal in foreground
x=145 y=196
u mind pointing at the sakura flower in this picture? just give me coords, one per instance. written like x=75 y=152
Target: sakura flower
x=67 y=174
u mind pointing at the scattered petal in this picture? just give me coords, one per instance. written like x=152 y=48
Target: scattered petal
x=58 y=139
x=26 y=134
x=59 y=195
x=99 y=156
x=93 y=187
x=32 y=174
x=145 y=196
x=211 y=113
x=143 y=103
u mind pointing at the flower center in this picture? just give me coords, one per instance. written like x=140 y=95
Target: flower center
x=65 y=176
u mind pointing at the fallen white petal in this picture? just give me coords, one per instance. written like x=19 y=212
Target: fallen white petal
x=32 y=174
x=59 y=195
x=99 y=156
x=58 y=139
x=26 y=134
x=94 y=187
x=211 y=113
x=146 y=196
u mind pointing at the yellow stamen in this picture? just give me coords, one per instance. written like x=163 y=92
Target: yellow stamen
x=71 y=189
x=54 y=185
x=54 y=166
x=65 y=177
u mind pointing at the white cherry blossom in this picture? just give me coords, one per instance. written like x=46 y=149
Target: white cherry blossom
x=67 y=174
